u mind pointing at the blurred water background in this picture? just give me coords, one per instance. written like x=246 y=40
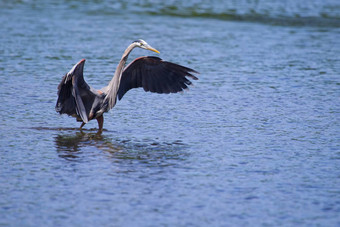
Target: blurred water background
x=255 y=142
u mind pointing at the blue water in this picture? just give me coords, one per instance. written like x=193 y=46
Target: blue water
x=255 y=141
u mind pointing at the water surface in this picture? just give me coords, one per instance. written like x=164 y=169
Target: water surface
x=254 y=142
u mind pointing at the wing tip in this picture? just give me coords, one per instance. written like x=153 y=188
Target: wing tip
x=192 y=76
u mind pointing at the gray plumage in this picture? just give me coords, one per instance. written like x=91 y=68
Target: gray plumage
x=76 y=98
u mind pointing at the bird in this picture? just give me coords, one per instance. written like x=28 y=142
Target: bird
x=77 y=99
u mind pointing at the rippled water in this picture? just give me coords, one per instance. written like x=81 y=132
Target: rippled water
x=254 y=142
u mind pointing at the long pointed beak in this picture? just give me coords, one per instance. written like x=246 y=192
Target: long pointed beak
x=152 y=49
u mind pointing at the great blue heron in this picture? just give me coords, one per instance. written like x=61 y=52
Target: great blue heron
x=76 y=98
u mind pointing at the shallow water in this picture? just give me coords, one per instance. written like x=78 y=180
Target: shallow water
x=255 y=141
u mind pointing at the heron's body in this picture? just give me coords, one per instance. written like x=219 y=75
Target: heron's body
x=76 y=98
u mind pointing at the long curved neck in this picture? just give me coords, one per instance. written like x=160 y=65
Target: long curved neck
x=113 y=87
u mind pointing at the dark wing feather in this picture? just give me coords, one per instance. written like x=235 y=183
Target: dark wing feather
x=66 y=102
x=75 y=97
x=155 y=75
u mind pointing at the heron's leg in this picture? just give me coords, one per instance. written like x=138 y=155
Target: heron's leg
x=100 y=120
x=82 y=125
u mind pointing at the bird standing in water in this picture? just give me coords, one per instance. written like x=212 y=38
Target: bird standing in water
x=76 y=98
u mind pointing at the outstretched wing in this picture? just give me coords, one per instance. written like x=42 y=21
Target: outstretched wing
x=75 y=96
x=155 y=75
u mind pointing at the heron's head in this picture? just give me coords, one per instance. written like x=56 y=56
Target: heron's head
x=142 y=44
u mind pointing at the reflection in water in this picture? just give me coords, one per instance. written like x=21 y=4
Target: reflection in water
x=70 y=147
